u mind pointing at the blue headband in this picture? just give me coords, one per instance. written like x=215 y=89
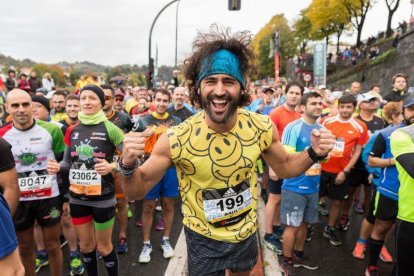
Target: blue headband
x=221 y=62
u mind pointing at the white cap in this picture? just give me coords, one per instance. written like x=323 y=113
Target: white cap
x=335 y=95
x=365 y=97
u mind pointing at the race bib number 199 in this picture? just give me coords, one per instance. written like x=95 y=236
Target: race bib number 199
x=228 y=206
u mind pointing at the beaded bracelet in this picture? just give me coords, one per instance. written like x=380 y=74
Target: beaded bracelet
x=127 y=170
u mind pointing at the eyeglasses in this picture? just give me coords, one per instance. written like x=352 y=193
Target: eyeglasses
x=107 y=98
x=58 y=102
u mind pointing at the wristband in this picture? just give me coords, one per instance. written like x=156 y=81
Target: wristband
x=125 y=170
x=314 y=156
x=346 y=173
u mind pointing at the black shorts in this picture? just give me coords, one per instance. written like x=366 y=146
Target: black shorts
x=275 y=187
x=47 y=212
x=385 y=208
x=357 y=177
x=332 y=191
x=211 y=257
x=370 y=217
x=82 y=214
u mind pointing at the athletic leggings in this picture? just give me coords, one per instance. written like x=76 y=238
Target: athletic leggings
x=404 y=247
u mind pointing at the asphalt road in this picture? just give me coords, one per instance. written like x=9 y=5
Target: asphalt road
x=128 y=262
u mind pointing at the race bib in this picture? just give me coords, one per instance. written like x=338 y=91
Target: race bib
x=36 y=184
x=339 y=148
x=228 y=206
x=314 y=170
x=85 y=181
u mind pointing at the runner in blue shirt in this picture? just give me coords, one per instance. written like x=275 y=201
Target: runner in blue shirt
x=299 y=205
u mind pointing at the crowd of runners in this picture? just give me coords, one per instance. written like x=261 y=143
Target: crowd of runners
x=73 y=165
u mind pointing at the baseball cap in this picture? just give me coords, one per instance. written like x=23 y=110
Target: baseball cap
x=366 y=97
x=119 y=93
x=408 y=101
x=335 y=95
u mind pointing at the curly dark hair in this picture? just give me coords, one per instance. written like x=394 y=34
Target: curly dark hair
x=205 y=44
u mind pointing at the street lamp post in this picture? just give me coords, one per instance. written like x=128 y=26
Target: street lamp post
x=276 y=45
x=150 y=60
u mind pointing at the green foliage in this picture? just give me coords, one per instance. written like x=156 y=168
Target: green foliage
x=261 y=45
x=384 y=57
x=55 y=70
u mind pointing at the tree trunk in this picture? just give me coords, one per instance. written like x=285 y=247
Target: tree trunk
x=389 y=30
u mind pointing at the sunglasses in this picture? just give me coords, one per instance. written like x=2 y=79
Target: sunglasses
x=119 y=99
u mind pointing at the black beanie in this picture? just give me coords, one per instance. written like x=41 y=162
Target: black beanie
x=42 y=100
x=98 y=91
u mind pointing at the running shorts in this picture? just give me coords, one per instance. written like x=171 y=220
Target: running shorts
x=46 y=211
x=212 y=257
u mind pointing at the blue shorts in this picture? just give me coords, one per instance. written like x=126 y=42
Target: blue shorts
x=8 y=241
x=297 y=208
x=167 y=187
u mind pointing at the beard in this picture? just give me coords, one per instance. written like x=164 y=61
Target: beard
x=222 y=117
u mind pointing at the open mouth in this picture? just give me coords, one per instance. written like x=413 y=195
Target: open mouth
x=219 y=106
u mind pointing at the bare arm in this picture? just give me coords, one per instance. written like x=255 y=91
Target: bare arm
x=150 y=173
x=290 y=165
x=354 y=158
x=380 y=162
x=11 y=188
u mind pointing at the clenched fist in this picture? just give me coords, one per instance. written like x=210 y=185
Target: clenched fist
x=133 y=147
x=322 y=141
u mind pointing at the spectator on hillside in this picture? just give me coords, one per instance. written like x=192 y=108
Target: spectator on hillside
x=47 y=82
x=23 y=83
x=34 y=82
x=11 y=81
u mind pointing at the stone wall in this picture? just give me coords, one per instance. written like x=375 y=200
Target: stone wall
x=402 y=62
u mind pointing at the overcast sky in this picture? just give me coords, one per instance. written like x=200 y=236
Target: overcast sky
x=112 y=32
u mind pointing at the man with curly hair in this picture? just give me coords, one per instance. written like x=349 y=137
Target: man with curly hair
x=215 y=153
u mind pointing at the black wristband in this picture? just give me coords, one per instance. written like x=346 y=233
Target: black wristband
x=314 y=156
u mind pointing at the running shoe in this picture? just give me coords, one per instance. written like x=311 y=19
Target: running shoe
x=359 y=250
x=41 y=261
x=303 y=262
x=330 y=233
x=309 y=233
x=322 y=209
x=138 y=223
x=385 y=255
x=122 y=246
x=343 y=223
x=160 y=225
x=371 y=271
x=76 y=265
x=167 y=249
x=287 y=269
x=158 y=208
x=145 y=256
x=273 y=243
x=279 y=233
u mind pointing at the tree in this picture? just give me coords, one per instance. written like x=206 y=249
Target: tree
x=302 y=27
x=261 y=45
x=392 y=6
x=358 y=10
x=328 y=17
x=55 y=70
